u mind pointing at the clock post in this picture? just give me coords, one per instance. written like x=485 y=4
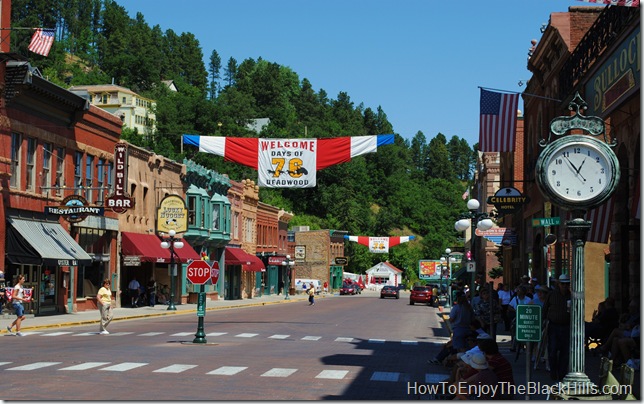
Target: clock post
x=577 y=173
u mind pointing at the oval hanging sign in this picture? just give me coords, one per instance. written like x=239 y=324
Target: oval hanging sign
x=508 y=200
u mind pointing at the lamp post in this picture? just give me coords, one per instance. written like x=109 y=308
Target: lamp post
x=477 y=220
x=287 y=281
x=447 y=258
x=171 y=242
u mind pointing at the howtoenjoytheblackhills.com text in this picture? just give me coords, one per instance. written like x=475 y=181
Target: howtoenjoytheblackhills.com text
x=508 y=389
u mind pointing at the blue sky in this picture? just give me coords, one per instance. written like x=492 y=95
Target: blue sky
x=422 y=61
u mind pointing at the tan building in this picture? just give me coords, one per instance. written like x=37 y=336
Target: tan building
x=315 y=254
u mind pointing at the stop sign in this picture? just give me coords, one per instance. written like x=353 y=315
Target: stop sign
x=198 y=272
x=214 y=272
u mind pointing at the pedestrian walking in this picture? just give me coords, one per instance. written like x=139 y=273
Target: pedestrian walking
x=311 y=292
x=17 y=297
x=152 y=291
x=104 y=301
x=133 y=289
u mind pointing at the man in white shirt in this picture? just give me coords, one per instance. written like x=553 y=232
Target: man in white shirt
x=133 y=289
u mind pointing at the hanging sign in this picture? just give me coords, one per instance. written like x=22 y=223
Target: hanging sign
x=172 y=215
x=508 y=200
x=120 y=200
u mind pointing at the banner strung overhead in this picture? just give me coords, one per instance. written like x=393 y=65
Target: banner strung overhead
x=379 y=244
x=288 y=163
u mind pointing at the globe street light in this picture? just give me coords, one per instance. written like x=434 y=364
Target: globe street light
x=447 y=258
x=477 y=220
x=287 y=281
x=171 y=243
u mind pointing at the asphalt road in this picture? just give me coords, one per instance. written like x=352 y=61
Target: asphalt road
x=344 y=347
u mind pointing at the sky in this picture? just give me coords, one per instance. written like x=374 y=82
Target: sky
x=422 y=61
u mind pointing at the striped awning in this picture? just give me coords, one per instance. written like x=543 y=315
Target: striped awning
x=36 y=242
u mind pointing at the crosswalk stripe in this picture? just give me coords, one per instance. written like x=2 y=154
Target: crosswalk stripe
x=85 y=334
x=150 y=334
x=332 y=374
x=311 y=338
x=227 y=370
x=122 y=367
x=175 y=368
x=85 y=366
x=55 y=334
x=385 y=376
x=32 y=333
x=5 y=363
x=376 y=341
x=216 y=334
x=279 y=372
x=279 y=336
x=435 y=377
x=344 y=339
x=36 y=365
x=246 y=335
x=181 y=334
x=407 y=342
x=118 y=334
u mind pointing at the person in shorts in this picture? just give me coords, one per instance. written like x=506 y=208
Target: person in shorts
x=17 y=298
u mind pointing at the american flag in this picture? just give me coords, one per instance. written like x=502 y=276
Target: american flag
x=41 y=41
x=626 y=3
x=466 y=194
x=498 y=121
x=601 y=219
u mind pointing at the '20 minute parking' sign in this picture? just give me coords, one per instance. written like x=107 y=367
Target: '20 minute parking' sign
x=528 y=322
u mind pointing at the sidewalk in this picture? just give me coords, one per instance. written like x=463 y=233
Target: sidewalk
x=540 y=377
x=126 y=313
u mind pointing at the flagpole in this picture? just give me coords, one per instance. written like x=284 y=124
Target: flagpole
x=518 y=92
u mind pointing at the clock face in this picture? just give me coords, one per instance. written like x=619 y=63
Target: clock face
x=578 y=171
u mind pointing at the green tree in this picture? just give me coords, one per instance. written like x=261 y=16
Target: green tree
x=214 y=68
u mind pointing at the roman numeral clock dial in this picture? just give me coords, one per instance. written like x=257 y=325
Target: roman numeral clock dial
x=577 y=172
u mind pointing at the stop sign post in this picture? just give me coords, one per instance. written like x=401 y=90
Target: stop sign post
x=198 y=272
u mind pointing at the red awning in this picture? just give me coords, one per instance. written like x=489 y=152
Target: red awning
x=148 y=247
x=237 y=256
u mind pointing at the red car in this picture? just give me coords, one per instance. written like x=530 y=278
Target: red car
x=421 y=294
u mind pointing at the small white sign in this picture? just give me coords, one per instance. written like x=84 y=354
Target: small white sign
x=471 y=266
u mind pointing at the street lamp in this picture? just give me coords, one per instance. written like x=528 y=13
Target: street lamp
x=171 y=243
x=477 y=220
x=287 y=282
x=447 y=258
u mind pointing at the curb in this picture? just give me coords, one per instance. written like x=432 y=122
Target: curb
x=154 y=314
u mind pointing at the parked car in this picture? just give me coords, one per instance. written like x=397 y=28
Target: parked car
x=389 y=291
x=348 y=289
x=421 y=294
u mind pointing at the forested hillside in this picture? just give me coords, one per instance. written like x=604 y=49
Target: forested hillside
x=411 y=187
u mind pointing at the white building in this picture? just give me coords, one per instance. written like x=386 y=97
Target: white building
x=384 y=274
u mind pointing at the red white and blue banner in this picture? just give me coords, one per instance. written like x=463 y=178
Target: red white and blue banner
x=288 y=163
x=625 y=3
x=379 y=244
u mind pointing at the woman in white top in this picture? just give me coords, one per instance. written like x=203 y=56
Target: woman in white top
x=17 y=297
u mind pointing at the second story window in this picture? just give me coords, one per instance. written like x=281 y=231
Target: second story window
x=192 y=210
x=100 y=181
x=60 y=169
x=89 y=178
x=16 y=141
x=78 y=172
x=45 y=180
x=31 y=164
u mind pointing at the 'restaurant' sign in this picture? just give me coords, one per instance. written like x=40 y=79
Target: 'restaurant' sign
x=74 y=209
